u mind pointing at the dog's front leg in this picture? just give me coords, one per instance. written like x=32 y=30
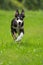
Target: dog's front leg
x=19 y=37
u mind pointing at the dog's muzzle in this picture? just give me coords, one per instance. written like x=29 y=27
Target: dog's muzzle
x=19 y=24
x=19 y=21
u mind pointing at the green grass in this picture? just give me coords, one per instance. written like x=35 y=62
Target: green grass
x=30 y=50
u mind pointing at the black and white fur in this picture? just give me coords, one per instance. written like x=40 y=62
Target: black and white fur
x=17 y=25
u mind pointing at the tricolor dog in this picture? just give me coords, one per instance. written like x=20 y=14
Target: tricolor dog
x=17 y=26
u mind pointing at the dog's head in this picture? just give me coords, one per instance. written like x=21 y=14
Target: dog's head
x=19 y=17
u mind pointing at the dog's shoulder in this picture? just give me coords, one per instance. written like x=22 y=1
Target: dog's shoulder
x=13 y=22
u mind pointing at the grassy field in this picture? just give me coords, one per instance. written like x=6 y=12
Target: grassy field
x=30 y=50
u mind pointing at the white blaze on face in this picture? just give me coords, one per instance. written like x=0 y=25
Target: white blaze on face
x=19 y=21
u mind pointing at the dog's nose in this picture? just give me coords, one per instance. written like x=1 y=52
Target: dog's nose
x=19 y=23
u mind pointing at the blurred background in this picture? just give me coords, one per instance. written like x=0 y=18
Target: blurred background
x=30 y=49
x=26 y=4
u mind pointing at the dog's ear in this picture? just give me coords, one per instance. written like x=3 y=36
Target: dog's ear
x=17 y=13
x=22 y=13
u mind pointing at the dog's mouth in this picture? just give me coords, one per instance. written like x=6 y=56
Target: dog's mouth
x=19 y=23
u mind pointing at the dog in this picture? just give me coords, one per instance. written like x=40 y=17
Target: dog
x=17 y=26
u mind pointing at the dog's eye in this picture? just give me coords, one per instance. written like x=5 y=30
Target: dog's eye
x=21 y=18
x=17 y=18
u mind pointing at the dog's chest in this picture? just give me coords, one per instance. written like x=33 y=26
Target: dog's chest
x=18 y=28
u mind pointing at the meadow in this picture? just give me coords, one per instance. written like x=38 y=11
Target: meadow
x=29 y=51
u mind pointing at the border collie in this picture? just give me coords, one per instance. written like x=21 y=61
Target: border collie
x=17 y=25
